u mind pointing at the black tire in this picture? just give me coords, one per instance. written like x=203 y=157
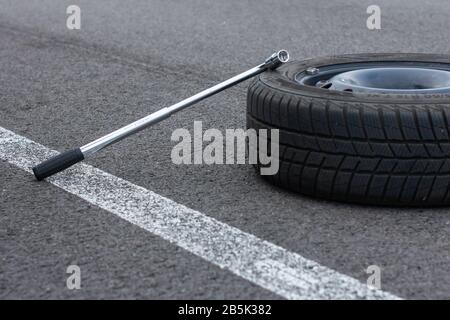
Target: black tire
x=363 y=148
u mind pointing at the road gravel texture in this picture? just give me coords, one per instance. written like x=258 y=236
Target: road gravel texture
x=63 y=88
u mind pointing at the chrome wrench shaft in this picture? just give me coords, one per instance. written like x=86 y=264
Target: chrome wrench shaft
x=69 y=158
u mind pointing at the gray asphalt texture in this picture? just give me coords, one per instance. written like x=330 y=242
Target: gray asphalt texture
x=64 y=88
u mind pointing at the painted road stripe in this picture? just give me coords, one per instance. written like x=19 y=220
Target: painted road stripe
x=280 y=271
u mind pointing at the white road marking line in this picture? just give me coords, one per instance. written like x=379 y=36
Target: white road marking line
x=280 y=271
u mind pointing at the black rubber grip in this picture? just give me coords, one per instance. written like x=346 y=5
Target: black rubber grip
x=58 y=163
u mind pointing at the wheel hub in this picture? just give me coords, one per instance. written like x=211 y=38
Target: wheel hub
x=379 y=78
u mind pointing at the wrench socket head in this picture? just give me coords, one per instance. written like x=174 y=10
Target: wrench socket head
x=277 y=59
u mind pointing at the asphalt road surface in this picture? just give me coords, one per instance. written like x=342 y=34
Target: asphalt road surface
x=62 y=88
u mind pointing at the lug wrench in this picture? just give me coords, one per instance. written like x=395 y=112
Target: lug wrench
x=69 y=158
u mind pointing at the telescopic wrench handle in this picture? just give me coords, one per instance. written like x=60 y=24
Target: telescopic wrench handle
x=69 y=158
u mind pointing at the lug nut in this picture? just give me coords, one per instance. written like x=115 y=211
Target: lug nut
x=312 y=71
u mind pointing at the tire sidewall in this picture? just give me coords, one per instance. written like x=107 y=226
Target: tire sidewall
x=283 y=79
